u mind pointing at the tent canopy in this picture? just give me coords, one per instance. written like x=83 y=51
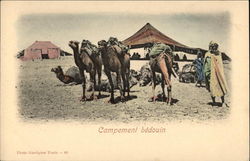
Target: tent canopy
x=149 y=34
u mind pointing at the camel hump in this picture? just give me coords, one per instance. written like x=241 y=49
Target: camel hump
x=72 y=72
x=119 y=51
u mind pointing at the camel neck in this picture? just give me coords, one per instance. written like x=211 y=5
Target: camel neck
x=76 y=55
x=76 y=51
x=60 y=76
x=104 y=52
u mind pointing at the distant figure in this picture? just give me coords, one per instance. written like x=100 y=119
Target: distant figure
x=199 y=69
x=184 y=57
x=176 y=57
x=214 y=73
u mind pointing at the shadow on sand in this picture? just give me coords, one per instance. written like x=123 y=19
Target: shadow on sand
x=88 y=98
x=218 y=104
x=160 y=98
x=103 y=96
x=118 y=99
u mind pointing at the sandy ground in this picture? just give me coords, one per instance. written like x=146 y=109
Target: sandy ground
x=43 y=97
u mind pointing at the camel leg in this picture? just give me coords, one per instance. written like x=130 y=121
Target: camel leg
x=124 y=84
x=119 y=84
x=169 y=95
x=93 y=84
x=125 y=79
x=163 y=87
x=111 y=85
x=153 y=86
x=169 y=88
x=166 y=74
x=99 y=82
x=127 y=82
x=83 y=85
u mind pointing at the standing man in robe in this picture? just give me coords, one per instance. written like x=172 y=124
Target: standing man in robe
x=214 y=73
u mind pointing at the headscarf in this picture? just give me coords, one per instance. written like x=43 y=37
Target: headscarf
x=199 y=54
x=213 y=47
x=210 y=45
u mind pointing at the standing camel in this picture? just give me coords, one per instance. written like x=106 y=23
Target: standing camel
x=97 y=60
x=111 y=63
x=84 y=62
x=124 y=57
x=163 y=64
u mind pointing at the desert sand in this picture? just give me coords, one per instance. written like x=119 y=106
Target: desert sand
x=42 y=97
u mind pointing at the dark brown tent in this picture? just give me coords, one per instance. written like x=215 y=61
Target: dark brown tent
x=149 y=34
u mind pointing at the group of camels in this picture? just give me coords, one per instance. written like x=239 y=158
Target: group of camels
x=113 y=60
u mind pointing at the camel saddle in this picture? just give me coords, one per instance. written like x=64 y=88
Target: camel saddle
x=92 y=53
x=119 y=50
x=168 y=59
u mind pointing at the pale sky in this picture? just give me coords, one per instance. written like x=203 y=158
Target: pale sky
x=194 y=30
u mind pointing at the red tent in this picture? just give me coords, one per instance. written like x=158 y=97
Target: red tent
x=41 y=50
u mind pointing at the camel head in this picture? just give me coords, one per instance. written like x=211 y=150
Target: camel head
x=54 y=70
x=60 y=68
x=73 y=44
x=112 y=41
x=102 y=44
x=57 y=70
x=145 y=78
x=84 y=43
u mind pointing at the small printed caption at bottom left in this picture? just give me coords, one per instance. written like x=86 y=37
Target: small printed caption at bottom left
x=42 y=152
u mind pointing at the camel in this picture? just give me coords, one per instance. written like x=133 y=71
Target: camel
x=145 y=76
x=97 y=60
x=125 y=65
x=124 y=57
x=84 y=63
x=154 y=66
x=112 y=63
x=72 y=75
